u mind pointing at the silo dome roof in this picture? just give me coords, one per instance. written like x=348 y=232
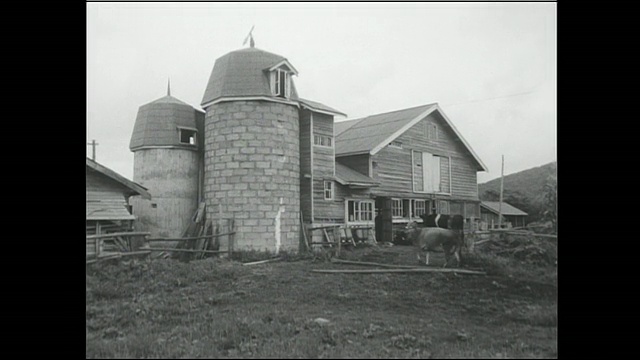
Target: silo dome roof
x=243 y=73
x=160 y=122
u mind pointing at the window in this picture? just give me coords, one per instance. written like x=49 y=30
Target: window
x=443 y=207
x=328 y=190
x=431 y=131
x=419 y=208
x=360 y=210
x=187 y=136
x=322 y=140
x=396 y=208
x=406 y=208
x=280 y=83
x=431 y=173
x=395 y=144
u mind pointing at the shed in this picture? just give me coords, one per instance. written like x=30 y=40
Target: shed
x=107 y=198
x=512 y=216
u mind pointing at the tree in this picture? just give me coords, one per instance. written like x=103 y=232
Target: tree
x=550 y=209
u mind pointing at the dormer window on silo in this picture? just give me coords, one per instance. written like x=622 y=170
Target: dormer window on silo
x=280 y=79
x=187 y=136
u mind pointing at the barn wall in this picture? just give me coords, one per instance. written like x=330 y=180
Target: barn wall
x=393 y=167
x=324 y=170
x=306 y=143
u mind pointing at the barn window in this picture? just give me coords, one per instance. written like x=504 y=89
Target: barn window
x=322 y=140
x=419 y=208
x=396 y=208
x=187 y=136
x=431 y=173
x=328 y=190
x=396 y=144
x=443 y=207
x=406 y=208
x=360 y=210
x=432 y=131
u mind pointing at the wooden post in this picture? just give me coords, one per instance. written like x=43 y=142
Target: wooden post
x=336 y=235
x=93 y=144
x=501 y=190
x=232 y=230
x=98 y=232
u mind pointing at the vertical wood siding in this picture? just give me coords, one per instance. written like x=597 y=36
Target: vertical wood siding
x=305 y=164
x=324 y=170
x=394 y=166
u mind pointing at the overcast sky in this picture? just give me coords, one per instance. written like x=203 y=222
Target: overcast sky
x=490 y=66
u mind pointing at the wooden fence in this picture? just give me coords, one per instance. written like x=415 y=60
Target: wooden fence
x=123 y=244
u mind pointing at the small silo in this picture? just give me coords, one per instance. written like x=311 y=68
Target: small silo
x=167 y=146
x=252 y=158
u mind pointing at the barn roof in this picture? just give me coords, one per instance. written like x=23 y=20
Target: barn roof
x=348 y=176
x=318 y=107
x=374 y=132
x=130 y=187
x=244 y=73
x=157 y=123
x=507 y=209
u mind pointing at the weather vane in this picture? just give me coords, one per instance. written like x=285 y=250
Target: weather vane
x=250 y=36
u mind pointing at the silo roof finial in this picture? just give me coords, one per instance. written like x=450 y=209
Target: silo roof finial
x=250 y=36
x=169 y=87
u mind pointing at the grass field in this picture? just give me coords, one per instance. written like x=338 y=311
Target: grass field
x=216 y=308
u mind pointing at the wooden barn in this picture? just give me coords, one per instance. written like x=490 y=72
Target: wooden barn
x=511 y=216
x=108 y=195
x=416 y=161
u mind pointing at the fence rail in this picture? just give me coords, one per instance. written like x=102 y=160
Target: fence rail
x=123 y=242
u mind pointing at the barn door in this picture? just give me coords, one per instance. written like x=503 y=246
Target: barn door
x=384 y=220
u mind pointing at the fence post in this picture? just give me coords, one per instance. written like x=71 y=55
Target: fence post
x=336 y=235
x=231 y=236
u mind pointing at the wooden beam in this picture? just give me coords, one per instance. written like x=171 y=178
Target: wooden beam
x=413 y=270
x=189 y=251
x=261 y=262
x=190 y=238
x=101 y=236
x=339 y=261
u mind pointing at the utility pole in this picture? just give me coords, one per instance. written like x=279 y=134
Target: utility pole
x=93 y=144
x=501 y=190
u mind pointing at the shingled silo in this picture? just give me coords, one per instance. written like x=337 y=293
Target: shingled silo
x=252 y=160
x=167 y=147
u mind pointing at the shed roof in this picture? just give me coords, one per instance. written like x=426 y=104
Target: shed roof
x=507 y=209
x=130 y=187
x=347 y=176
x=243 y=73
x=370 y=134
x=157 y=123
x=319 y=107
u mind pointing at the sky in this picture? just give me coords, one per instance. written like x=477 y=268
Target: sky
x=491 y=66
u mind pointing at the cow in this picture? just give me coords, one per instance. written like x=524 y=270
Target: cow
x=431 y=239
x=451 y=222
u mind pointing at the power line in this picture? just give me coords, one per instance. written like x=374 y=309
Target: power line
x=493 y=98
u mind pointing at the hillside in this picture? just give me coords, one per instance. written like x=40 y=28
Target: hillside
x=524 y=189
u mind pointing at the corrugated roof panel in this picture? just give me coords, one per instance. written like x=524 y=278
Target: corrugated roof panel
x=507 y=209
